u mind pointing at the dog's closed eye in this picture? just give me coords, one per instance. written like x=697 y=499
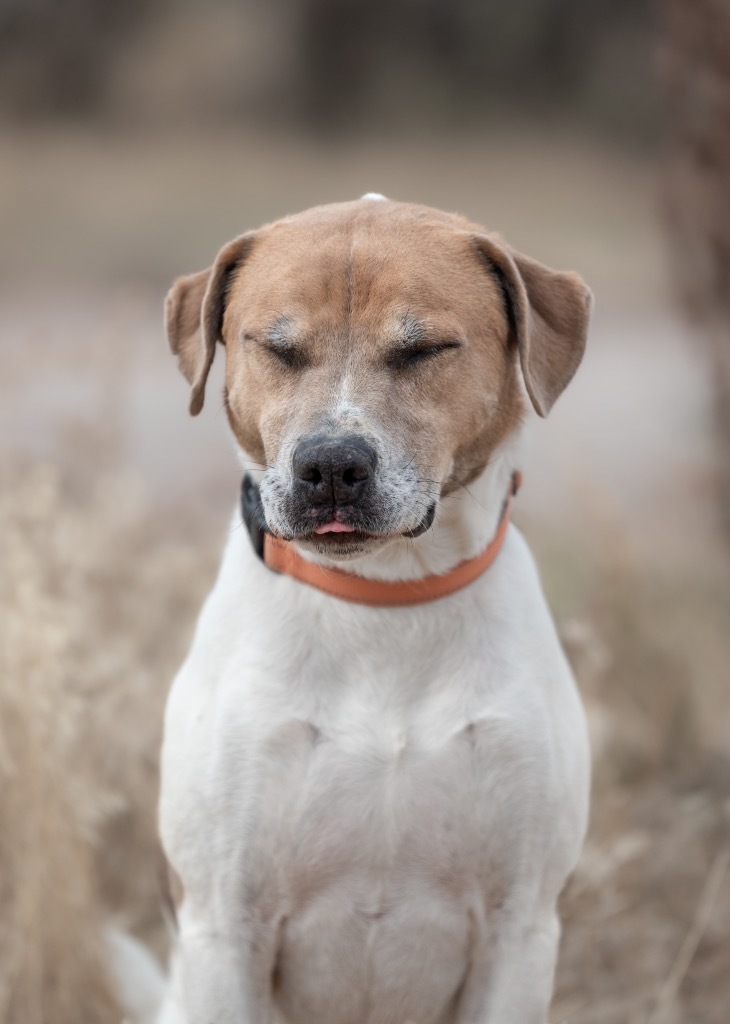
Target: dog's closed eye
x=283 y=351
x=403 y=358
x=291 y=356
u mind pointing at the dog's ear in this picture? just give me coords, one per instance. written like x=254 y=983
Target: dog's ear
x=194 y=310
x=549 y=313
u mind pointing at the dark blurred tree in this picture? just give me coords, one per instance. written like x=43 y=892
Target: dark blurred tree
x=695 y=72
x=474 y=56
x=55 y=55
x=329 y=63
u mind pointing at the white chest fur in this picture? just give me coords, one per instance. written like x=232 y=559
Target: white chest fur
x=372 y=791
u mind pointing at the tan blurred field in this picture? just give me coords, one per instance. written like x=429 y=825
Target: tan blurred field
x=114 y=507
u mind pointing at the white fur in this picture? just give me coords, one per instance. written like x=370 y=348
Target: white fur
x=375 y=197
x=135 y=975
x=373 y=811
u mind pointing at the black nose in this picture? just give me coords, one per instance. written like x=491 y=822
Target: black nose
x=334 y=472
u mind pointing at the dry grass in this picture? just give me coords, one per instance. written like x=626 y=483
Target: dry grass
x=647 y=913
x=96 y=608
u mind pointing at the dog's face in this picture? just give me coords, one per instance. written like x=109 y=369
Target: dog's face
x=373 y=354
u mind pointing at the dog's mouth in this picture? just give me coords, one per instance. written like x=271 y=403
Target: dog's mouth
x=344 y=533
x=340 y=543
x=334 y=526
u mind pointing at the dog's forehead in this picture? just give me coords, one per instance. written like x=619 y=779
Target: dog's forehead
x=349 y=232
x=373 y=258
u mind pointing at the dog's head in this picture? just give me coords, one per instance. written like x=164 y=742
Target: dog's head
x=373 y=354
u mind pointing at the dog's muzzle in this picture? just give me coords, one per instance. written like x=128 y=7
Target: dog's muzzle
x=339 y=495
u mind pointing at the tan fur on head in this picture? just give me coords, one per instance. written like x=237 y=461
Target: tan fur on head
x=315 y=309
x=550 y=310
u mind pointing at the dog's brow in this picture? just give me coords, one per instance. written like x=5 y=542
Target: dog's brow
x=279 y=332
x=411 y=331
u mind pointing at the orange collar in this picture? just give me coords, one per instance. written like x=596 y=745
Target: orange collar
x=282 y=556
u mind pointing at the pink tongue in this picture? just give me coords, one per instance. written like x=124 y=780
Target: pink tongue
x=334 y=527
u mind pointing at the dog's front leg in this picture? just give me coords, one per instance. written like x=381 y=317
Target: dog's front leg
x=225 y=975
x=510 y=979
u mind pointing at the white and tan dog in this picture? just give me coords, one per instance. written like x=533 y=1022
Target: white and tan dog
x=371 y=801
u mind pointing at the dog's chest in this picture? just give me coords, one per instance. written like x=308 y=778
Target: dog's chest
x=364 y=813
x=375 y=782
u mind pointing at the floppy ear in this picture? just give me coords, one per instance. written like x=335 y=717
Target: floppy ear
x=194 y=310
x=549 y=313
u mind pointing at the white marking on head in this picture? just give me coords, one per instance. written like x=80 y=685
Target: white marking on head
x=375 y=197
x=344 y=410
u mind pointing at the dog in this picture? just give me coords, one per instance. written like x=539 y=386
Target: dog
x=375 y=767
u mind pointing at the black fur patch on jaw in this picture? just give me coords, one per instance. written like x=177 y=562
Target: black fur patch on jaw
x=252 y=513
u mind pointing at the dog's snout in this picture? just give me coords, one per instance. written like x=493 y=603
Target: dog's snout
x=334 y=472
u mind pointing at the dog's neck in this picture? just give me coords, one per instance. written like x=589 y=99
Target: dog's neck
x=465 y=523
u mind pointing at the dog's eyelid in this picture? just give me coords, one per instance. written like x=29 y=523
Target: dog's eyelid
x=293 y=356
x=432 y=347
x=282 y=348
x=415 y=353
x=265 y=340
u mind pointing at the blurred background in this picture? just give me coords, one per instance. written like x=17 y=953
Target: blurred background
x=137 y=138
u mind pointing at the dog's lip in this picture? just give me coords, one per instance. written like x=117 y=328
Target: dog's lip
x=331 y=525
x=336 y=541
